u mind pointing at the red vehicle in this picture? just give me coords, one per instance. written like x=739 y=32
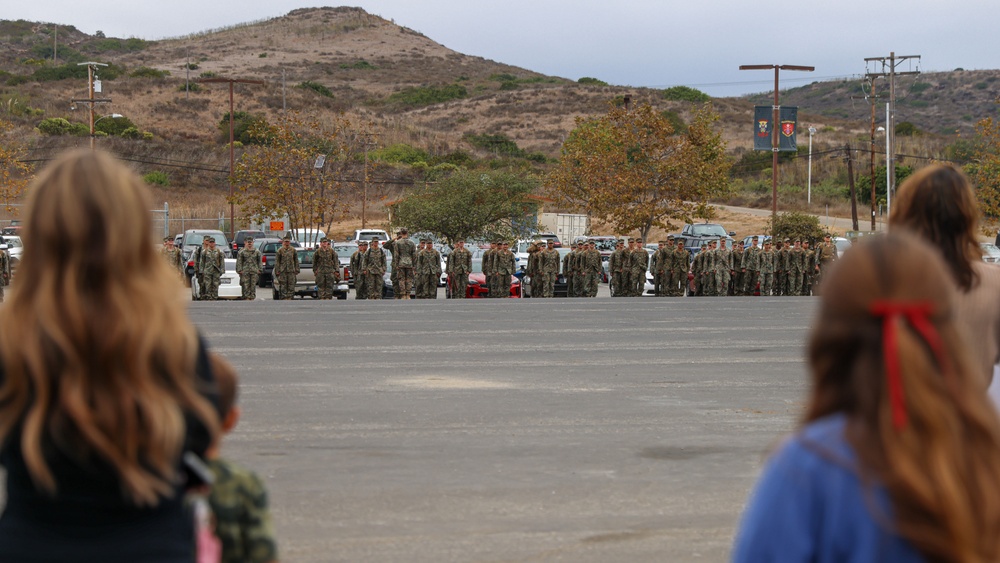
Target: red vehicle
x=477 y=283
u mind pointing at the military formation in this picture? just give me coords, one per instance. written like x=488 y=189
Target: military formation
x=785 y=268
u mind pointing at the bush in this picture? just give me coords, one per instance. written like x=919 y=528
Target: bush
x=113 y=125
x=55 y=126
x=243 y=122
x=157 y=177
x=795 y=225
x=497 y=144
x=400 y=152
x=906 y=129
x=360 y=65
x=316 y=87
x=262 y=56
x=428 y=95
x=590 y=80
x=685 y=94
x=208 y=74
x=189 y=87
x=147 y=72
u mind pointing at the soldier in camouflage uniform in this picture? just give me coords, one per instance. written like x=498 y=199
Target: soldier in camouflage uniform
x=809 y=270
x=657 y=263
x=173 y=256
x=796 y=268
x=404 y=258
x=723 y=261
x=357 y=268
x=826 y=255
x=767 y=261
x=639 y=266
x=708 y=270
x=739 y=273
x=592 y=268
x=196 y=261
x=212 y=266
x=4 y=271
x=679 y=269
x=533 y=270
x=781 y=266
x=750 y=266
x=550 y=269
x=489 y=271
x=248 y=267
x=238 y=497
x=374 y=270
x=428 y=270
x=286 y=268
x=615 y=269
x=459 y=266
x=326 y=267
x=567 y=269
x=505 y=266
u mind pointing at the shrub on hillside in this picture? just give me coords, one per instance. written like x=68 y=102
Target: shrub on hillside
x=592 y=81
x=56 y=126
x=400 y=152
x=498 y=144
x=428 y=95
x=685 y=94
x=316 y=87
x=148 y=72
x=157 y=177
x=243 y=123
x=796 y=225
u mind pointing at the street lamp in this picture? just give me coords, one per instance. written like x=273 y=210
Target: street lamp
x=112 y=116
x=809 y=189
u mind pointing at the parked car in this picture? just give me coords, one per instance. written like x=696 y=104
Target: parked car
x=561 y=287
x=268 y=247
x=991 y=253
x=193 y=239
x=547 y=237
x=14 y=246
x=229 y=283
x=761 y=239
x=307 y=238
x=241 y=236
x=842 y=245
x=477 y=283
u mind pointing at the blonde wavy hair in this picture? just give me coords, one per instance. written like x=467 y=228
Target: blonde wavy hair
x=941 y=468
x=98 y=353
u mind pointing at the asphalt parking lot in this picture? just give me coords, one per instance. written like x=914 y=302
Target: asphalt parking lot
x=584 y=430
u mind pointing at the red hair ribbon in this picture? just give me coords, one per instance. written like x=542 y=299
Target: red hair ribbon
x=918 y=314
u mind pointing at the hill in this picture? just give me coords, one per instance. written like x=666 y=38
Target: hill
x=326 y=61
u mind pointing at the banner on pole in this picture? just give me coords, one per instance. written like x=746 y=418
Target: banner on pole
x=787 y=128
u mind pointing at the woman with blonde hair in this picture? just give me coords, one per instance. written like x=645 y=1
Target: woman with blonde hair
x=898 y=456
x=104 y=382
x=938 y=204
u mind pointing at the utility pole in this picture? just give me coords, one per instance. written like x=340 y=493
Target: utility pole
x=850 y=182
x=889 y=65
x=871 y=100
x=232 y=157
x=775 y=127
x=55 y=42
x=93 y=85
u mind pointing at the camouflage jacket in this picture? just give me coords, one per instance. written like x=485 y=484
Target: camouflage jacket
x=212 y=261
x=286 y=261
x=550 y=261
x=174 y=257
x=326 y=261
x=751 y=259
x=404 y=253
x=242 y=520
x=460 y=261
x=375 y=261
x=682 y=260
x=248 y=261
x=504 y=263
x=639 y=261
x=767 y=261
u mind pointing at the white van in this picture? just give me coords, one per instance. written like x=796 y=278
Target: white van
x=308 y=238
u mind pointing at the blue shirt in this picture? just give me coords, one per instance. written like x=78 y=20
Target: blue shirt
x=811 y=505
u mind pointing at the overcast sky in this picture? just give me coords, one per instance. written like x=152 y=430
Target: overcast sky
x=655 y=43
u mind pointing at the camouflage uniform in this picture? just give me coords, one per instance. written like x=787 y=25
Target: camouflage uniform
x=708 y=271
x=248 y=267
x=639 y=264
x=174 y=257
x=357 y=268
x=826 y=255
x=404 y=257
x=286 y=268
x=428 y=271
x=4 y=271
x=723 y=261
x=751 y=269
x=505 y=266
x=615 y=271
x=196 y=261
x=809 y=269
x=568 y=273
x=767 y=265
x=661 y=277
x=488 y=269
x=212 y=266
x=739 y=274
x=533 y=270
x=374 y=271
x=326 y=268
x=679 y=271
x=550 y=270
x=459 y=266
x=796 y=268
x=592 y=268
x=238 y=499
x=781 y=268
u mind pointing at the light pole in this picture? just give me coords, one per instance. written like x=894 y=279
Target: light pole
x=809 y=189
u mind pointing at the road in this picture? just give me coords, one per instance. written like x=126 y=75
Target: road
x=583 y=430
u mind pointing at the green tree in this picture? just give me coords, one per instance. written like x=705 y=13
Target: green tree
x=280 y=177
x=985 y=170
x=468 y=204
x=243 y=122
x=796 y=225
x=628 y=168
x=685 y=94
